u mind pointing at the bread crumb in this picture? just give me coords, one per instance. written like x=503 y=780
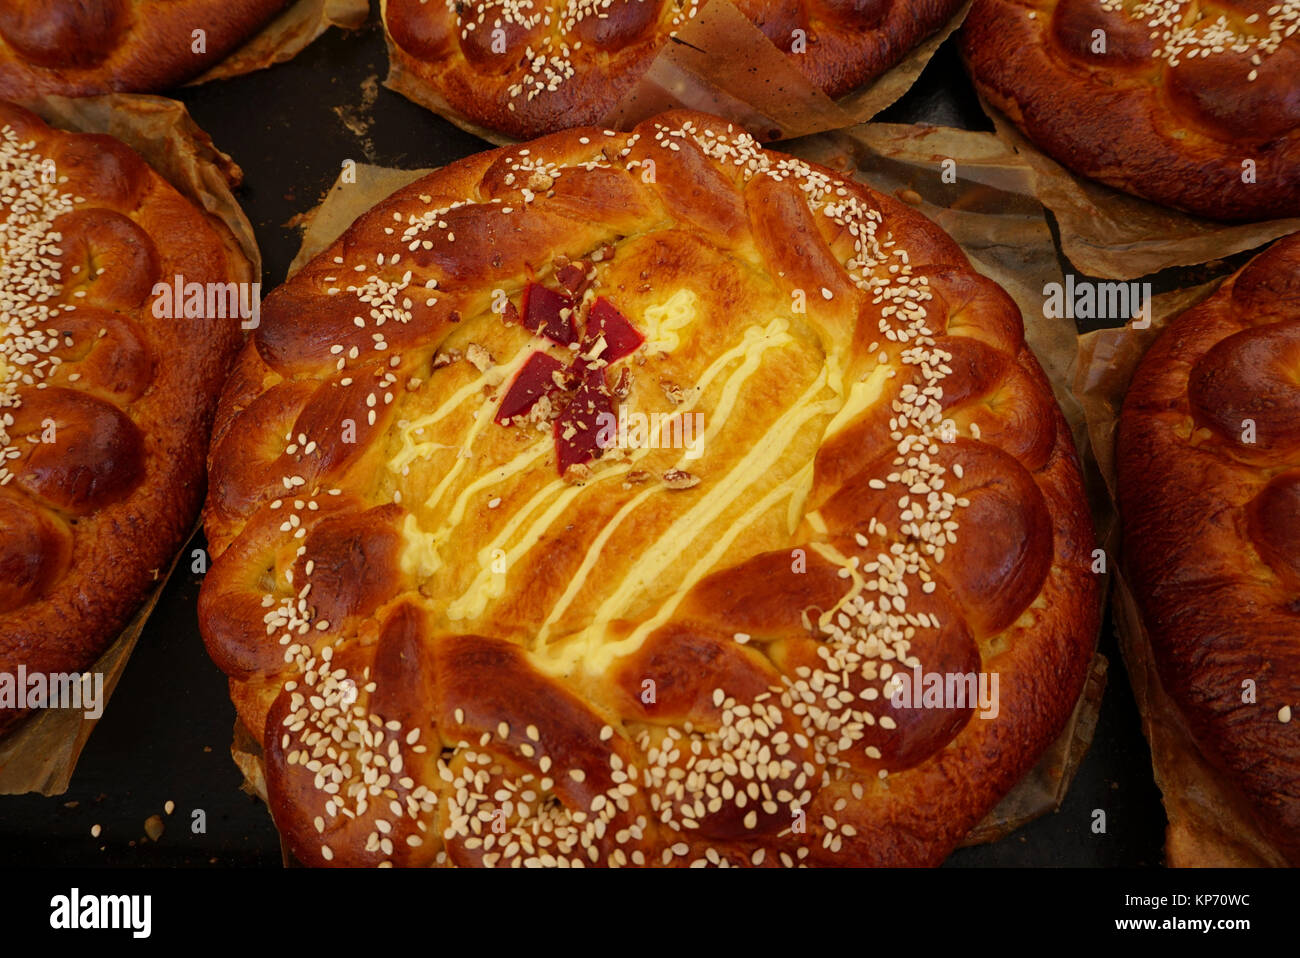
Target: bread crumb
x=153 y=827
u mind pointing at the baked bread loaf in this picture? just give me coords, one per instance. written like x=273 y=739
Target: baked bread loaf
x=104 y=407
x=1190 y=104
x=83 y=47
x=1208 y=464
x=528 y=68
x=473 y=623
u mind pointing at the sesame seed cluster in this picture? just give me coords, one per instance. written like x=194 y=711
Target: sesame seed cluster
x=528 y=67
x=29 y=278
x=549 y=61
x=1185 y=103
x=355 y=756
x=102 y=434
x=1186 y=29
x=790 y=765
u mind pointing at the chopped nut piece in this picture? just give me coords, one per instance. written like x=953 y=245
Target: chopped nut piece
x=543 y=410
x=624 y=384
x=446 y=359
x=577 y=473
x=480 y=357
x=680 y=479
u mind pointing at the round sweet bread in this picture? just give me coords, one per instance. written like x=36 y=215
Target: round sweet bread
x=104 y=407
x=1208 y=464
x=586 y=501
x=84 y=47
x=528 y=67
x=1190 y=104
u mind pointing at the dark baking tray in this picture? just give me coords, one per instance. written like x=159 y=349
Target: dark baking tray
x=166 y=734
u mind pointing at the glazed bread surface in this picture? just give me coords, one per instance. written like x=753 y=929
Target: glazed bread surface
x=469 y=630
x=84 y=47
x=1209 y=491
x=528 y=67
x=1193 y=104
x=104 y=407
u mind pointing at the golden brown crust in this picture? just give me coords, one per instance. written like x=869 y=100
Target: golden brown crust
x=84 y=47
x=555 y=65
x=438 y=634
x=1209 y=492
x=1201 y=112
x=104 y=422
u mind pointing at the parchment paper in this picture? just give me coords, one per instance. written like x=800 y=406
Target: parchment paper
x=344 y=203
x=41 y=754
x=287 y=35
x=1209 y=824
x=722 y=64
x=1109 y=234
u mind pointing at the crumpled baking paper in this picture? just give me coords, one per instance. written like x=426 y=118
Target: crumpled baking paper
x=1109 y=234
x=287 y=35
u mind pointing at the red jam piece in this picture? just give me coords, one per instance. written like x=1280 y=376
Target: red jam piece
x=549 y=313
x=621 y=337
x=533 y=381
